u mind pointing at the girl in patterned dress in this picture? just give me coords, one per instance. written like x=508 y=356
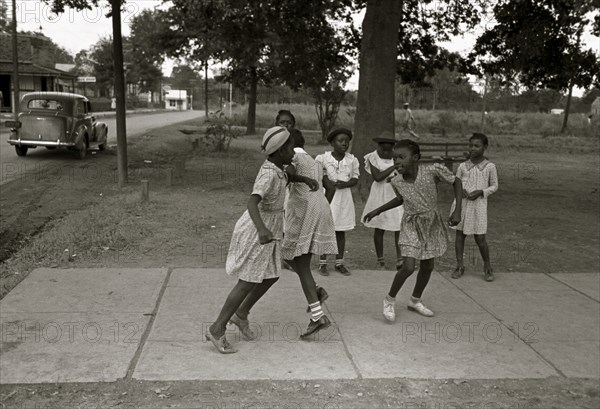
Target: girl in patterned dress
x=309 y=230
x=380 y=164
x=423 y=233
x=254 y=253
x=341 y=171
x=480 y=179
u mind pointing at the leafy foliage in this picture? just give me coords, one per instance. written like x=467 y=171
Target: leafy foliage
x=219 y=132
x=538 y=43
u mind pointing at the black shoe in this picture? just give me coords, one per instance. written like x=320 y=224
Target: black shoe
x=316 y=326
x=342 y=269
x=322 y=294
x=323 y=270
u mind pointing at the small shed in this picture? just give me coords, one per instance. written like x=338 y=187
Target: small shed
x=557 y=111
x=176 y=99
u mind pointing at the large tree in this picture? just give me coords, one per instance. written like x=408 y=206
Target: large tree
x=393 y=34
x=538 y=43
x=4 y=21
x=253 y=38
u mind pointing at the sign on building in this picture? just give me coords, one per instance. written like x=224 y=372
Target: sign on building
x=86 y=79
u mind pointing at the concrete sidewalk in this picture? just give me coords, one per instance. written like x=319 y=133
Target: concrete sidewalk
x=87 y=325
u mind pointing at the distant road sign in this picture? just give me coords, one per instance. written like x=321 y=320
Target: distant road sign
x=86 y=79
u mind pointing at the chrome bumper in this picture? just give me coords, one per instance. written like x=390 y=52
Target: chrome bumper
x=31 y=142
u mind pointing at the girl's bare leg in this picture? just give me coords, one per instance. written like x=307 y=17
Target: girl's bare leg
x=406 y=271
x=301 y=266
x=423 y=276
x=235 y=298
x=483 y=250
x=459 y=248
x=256 y=294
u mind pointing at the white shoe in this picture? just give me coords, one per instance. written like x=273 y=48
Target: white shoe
x=420 y=308
x=388 y=310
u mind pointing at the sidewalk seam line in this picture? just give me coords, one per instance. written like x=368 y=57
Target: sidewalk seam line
x=146 y=334
x=507 y=327
x=346 y=349
x=571 y=287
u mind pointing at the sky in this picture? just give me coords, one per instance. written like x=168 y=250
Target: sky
x=77 y=30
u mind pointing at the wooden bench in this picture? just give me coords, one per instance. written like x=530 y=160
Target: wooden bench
x=447 y=153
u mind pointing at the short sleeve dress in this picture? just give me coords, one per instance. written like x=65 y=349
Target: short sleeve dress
x=381 y=193
x=309 y=224
x=423 y=233
x=247 y=259
x=482 y=176
x=342 y=204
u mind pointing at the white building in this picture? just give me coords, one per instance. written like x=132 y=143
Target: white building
x=176 y=99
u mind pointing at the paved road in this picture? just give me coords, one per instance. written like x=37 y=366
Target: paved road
x=11 y=165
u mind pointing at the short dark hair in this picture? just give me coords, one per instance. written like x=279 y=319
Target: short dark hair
x=298 y=138
x=482 y=137
x=409 y=144
x=285 y=112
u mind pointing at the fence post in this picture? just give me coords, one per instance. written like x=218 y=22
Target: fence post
x=145 y=193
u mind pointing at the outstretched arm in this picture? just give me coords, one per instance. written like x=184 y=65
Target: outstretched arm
x=395 y=202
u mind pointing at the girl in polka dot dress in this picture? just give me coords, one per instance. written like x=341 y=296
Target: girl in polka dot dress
x=423 y=233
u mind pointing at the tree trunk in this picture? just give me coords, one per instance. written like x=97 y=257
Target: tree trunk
x=376 y=86
x=251 y=120
x=119 y=93
x=567 y=108
x=206 y=89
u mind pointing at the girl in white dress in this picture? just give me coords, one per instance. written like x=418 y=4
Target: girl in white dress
x=340 y=174
x=480 y=179
x=380 y=164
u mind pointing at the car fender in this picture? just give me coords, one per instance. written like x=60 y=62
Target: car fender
x=100 y=131
x=80 y=134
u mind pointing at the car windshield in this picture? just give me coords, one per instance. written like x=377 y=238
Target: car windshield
x=49 y=104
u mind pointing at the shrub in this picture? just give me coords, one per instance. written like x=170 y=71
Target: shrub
x=220 y=131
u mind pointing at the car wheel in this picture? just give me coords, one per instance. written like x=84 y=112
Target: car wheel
x=82 y=150
x=21 y=150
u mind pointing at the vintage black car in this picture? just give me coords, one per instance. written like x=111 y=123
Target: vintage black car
x=57 y=119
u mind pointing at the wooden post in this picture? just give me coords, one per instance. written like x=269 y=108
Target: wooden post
x=145 y=193
x=179 y=168
x=170 y=177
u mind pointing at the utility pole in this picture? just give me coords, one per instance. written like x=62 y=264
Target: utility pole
x=119 y=92
x=485 y=86
x=15 y=54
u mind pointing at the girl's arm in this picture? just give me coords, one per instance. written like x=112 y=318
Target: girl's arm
x=456 y=214
x=312 y=184
x=380 y=175
x=329 y=188
x=395 y=202
x=264 y=234
x=493 y=181
x=493 y=187
x=353 y=176
x=343 y=185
